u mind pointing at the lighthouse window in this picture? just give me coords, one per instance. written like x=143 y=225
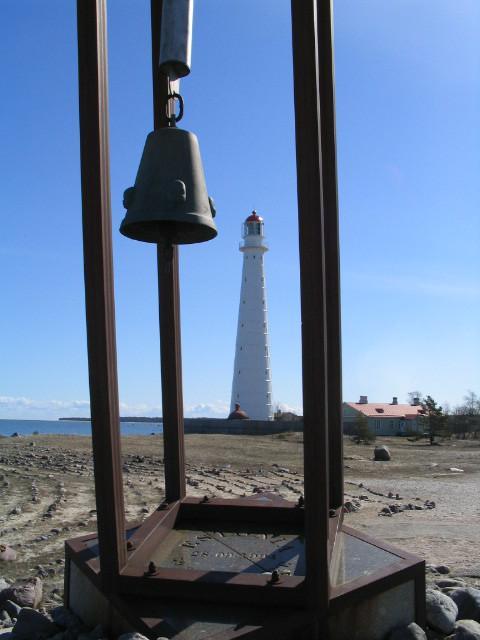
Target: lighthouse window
x=258 y=228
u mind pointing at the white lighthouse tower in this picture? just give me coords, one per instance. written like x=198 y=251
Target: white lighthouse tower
x=252 y=382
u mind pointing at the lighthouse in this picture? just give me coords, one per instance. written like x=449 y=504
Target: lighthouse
x=252 y=380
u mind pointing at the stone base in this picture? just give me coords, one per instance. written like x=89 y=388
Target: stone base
x=90 y=605
x=373 y=618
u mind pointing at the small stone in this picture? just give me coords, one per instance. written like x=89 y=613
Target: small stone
x=33 y=624
x=412 y=632
x=132 y=636
x=5 y=618
x=12 y=608
x=450 y=582
x=441 y=611
x=382 y=453
x=442 y=568
x=430 y=568
x=467 y=600
x=7 y=554
x=466 y=630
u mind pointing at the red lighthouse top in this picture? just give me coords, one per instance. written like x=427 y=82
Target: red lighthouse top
x=254 y=217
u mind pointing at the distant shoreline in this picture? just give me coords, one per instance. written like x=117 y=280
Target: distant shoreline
x=122 y=419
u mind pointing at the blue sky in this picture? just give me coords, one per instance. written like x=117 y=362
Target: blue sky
x=408 y=104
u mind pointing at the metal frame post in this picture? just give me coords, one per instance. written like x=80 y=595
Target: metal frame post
x=313 y=303
x=169 y=307
x=326 y=86
x=99 y=289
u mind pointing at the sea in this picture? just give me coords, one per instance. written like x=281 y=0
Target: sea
x=72 y=427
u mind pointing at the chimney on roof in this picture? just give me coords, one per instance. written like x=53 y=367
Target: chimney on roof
x=416 y=401
x=363 y=400
x=395 y=400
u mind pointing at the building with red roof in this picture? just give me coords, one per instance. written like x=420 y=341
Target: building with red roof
x=384 y=418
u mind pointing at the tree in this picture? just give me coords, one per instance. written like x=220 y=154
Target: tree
x=361 y=430
x=467 y=415
x=435 y=421
x=413 y=395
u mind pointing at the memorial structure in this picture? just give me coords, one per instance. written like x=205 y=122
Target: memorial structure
x=260 y=566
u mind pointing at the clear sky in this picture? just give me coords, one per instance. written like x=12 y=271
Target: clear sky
x=408 y=108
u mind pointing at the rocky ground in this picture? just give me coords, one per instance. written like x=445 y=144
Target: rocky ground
x=424 y=499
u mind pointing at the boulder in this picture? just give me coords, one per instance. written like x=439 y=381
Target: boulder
x=25 y=593
x=441 y=611
x=382 y=453
x=412 y=632
x=94 y=634
x=3 y=585
x=467 y=600
x=65 y=618
x=466 y=630
x=33 y=624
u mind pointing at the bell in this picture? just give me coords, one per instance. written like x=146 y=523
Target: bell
x=169 y=202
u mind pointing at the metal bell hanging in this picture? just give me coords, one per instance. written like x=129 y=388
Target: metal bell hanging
x=169 y=202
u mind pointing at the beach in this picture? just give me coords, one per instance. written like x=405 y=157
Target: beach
x=47 y=492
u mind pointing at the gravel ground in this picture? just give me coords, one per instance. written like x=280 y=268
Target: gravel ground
x=47 y=496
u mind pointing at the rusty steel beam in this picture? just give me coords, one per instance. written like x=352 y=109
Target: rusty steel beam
x=169 y=307
x=99 y=290
x=326 y=85
x=313 y=302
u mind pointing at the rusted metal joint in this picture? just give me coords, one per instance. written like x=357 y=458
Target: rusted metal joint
x=332 y=513
x=204 y=500
x=164 y=505
x=152 y=569
x=130 y=545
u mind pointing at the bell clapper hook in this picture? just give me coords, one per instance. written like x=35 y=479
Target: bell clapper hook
x=173 y=96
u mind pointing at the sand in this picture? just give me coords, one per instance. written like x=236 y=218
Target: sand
x=47 y=493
